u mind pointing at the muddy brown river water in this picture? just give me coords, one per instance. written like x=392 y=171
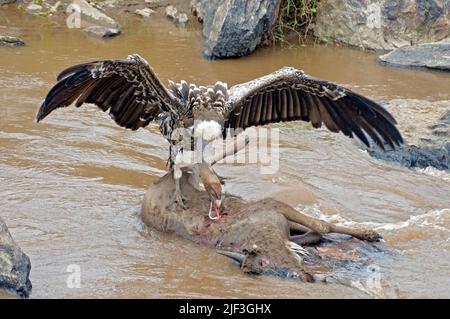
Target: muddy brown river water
x=71 y=187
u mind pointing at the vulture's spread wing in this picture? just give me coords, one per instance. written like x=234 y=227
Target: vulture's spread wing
x=288 y=95
x=129 y=89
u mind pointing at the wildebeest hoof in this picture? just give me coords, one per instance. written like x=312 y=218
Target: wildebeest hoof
x=370 y=235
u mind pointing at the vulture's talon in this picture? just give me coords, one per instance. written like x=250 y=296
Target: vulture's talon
x=180 y=201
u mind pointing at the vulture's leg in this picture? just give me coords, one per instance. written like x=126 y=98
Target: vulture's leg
x=178 y=196
x=176 y=160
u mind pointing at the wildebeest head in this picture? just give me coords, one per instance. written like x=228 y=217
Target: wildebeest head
x=256 y=262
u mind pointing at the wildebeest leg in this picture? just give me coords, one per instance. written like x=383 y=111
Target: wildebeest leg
x=298 y=227
x=357 y=232
x=323 y=227
x=307 y=237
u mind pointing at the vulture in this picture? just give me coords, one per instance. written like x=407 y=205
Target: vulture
x=132 y=94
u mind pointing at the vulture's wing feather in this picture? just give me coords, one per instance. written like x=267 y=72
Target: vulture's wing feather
x=128 y=89
x=289 y=95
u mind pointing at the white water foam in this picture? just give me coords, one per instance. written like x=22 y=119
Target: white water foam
x=438 y=219
x=432 y=171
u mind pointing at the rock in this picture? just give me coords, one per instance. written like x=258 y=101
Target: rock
x=178 y=18
x=10 y=41
x=182 y=19
x=14 y=265
x=434 y=55
x=383 y=24
x=95 y=16
x=146 y=12
x=6 y=1
x=108 y=3
x=101 y=31
x=171 y=12
x=234 y=28
x=197 y=10
x=427 y=137
x=34 y=8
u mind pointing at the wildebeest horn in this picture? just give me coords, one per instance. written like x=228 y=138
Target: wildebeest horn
x=233 y=255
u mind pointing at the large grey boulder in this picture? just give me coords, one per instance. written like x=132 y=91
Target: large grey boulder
x=383 y=24
x=234 y=28
x=425 y=126
x=434 y=55
x=14 y=265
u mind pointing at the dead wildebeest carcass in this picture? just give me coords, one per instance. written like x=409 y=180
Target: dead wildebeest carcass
x=264 y=237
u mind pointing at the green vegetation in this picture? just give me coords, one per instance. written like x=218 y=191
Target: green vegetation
x=295 y=18
x=38 y=2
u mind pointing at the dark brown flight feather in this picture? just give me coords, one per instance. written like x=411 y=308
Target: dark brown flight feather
x=290 y=95
x=129 y=89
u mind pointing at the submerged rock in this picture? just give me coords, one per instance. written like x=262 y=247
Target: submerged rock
x=182 y=19
x=234 y=28
x=178 y=18
x=146 y=12
x=434 y=55
x=425 y=127
x=14 y=265
x=171 y=12
x=10 y=41
x=34 y=8
x=385 y=24
x=95 y=16
x=101 y=32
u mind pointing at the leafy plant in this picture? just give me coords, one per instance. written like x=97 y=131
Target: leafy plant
x=294 y=16
x=38 y=2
